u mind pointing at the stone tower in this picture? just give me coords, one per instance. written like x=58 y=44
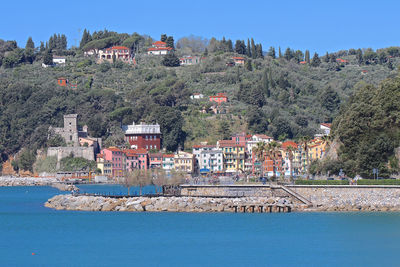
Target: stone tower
x=71 y=129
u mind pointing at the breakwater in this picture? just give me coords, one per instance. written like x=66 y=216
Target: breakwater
x=35 y=181
x=171 y=204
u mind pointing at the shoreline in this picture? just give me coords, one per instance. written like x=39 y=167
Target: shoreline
x=11 y=181
x=197 y=204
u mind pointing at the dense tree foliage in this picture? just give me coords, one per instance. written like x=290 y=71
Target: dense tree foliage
x=368 y=127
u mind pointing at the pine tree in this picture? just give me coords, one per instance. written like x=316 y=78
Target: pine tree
x=29 y=52
x=248 y=51
x=163 y=38
x=229 y=45
x=279 y=53
x=326 y=58
x=271 y=52
x=48 y=57
x=248 y=65
x=307 y=56
x=315 y=60
x=253 y=49
x=288 y=54
x=332 y=58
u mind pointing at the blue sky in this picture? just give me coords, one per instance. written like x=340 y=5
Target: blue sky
x=315 y=25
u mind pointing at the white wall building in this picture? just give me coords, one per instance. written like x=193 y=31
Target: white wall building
x=211 y=161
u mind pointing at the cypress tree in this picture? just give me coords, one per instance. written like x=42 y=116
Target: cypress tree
x=279 y=53
x=42 y=48
x=85 y=38
x=307 y=56
x=248 y=51
x=253 y=49
x=229 y=45
x=63 y=42
x=259 y=52
x=29 y=52
x=170 y=42
x=163 y=38
x=359 y=56
x=288 y=54
x=271 y=52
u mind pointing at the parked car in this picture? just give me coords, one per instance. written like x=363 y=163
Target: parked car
x=330 y=178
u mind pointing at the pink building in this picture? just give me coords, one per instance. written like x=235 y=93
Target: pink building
x=155 y=160
x=138 y=158
x=117 y=158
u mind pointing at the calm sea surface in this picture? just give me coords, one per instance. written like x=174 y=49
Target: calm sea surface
x=72 y=238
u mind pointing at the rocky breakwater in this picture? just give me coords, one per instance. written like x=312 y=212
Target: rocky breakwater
x=158 y=204
x=35 y=181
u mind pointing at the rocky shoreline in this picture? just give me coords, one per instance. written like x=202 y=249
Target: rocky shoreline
x=194 y=204
x=157 y=204
x=6 y=181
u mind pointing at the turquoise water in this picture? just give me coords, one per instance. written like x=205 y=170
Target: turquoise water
x=70 y=238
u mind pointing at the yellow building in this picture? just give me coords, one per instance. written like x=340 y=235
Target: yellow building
x=234 y=155
x=316 y=149
x=184 y=162
x=104 y=165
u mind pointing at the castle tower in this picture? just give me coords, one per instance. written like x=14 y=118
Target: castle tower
x=70 y=132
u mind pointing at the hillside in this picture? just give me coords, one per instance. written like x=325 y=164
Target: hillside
x=276 y=96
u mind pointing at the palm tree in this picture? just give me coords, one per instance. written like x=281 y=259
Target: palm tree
x=273 y=151
x=304 y=142
x=259 y=151
x=289 y=150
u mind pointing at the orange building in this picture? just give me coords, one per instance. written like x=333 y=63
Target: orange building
x=219 y=98
x=62 y=81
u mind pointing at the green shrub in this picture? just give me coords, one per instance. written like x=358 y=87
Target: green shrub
x=378 y=182
x=321 y=182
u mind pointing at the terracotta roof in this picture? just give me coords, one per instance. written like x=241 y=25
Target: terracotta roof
x=136 y=151
x=155 y=155
x=168 y=155
x=289 y=143
x=117 y=48
x=159 y=43
x=263 y=136
x=158 y=48
x=115 y=149
x=327 y=124
x=232 y=143
x=99 y=156
x=303 y=62
x=242 y=58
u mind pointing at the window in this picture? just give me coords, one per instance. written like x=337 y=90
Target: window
x=70 y=138
x=147 y=147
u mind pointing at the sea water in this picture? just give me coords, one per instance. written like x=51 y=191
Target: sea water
x=32 y=235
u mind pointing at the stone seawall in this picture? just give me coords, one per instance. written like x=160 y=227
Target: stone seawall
x=35 y=181
x=158 y=204
x=322 y=197
x=371 y=198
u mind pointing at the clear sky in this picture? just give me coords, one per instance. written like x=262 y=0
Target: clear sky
x=320 y=26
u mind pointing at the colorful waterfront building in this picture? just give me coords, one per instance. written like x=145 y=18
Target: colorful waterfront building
x=143 y=136
x=104 y=165
x=184 y=162
x=155 y=160
x=211 y=161
x=117 y=158
x=168 y=162
x=234 y=155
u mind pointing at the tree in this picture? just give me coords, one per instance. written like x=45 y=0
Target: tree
x=279 y=53
x=26 y=160
x=170 y=60
x=86 y=38
x=48 y=57
x=248 y=48
x=163 y=38
x=271 y=52
x=170 y=42
x=330 y=99
x=30 y=50
x=224 y=130
x=273 y=152
x=307 y=56
x=259 y=151
x=159 y=178
x=259 y=52
x=304 y=142
x=253 y=49
x=359 y=56
x=290 y=153
x=315 y=60
x=240 y=47
x=139 y=178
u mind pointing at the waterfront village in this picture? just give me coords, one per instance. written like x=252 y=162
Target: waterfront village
x=243 y=154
